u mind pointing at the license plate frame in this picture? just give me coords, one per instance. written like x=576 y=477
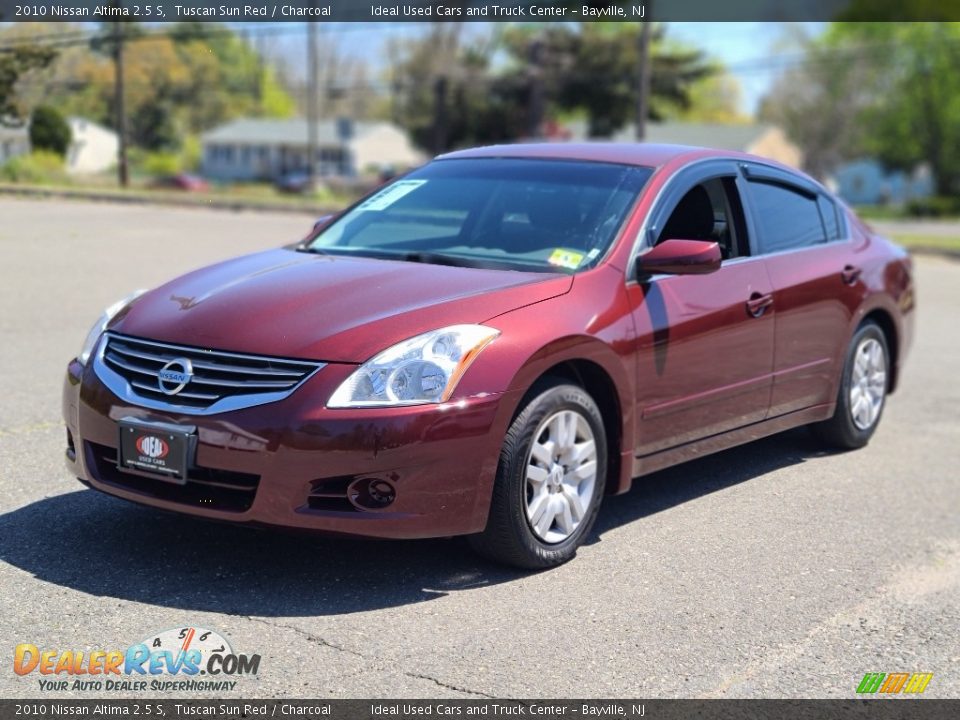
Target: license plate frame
x=162 y=450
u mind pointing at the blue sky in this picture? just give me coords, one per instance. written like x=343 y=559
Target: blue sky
x=743 y=47
x=741 y=44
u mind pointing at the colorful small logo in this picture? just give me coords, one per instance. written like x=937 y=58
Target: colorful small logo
x=152 y=446
x=187 y=658
x=893 y=683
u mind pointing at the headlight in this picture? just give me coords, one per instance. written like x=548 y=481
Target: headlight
x=97 y=330
x=424 y=369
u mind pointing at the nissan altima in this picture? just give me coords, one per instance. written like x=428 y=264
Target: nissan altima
x=491 y=344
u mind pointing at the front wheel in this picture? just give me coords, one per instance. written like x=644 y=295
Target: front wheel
x=549 y=483
x=863 y=391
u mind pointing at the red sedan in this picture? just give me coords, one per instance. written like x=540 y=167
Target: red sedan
x=492 y=343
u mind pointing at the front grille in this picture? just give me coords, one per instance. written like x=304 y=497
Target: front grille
x=205 y=487
x=219 y=380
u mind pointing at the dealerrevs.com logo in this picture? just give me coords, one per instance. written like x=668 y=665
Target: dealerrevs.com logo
x=185 y=659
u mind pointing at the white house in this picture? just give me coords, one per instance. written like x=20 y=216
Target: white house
x=93 y=148
x=265 y=149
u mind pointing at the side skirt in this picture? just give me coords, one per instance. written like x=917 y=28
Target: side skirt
x=647 y=464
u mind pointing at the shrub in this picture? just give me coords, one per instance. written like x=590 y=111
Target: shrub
x=191 y=153
x=934 y=207
x=49 y=131
x=39 y=167
x=162 y=164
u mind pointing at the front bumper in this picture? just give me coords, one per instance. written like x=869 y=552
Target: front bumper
x=293 y=463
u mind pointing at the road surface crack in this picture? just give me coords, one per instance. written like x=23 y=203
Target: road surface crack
x=310 y=637
x=448 y=686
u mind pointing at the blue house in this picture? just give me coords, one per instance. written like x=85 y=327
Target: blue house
x=866 y=182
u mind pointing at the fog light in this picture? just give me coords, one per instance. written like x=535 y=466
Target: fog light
x=371 y=493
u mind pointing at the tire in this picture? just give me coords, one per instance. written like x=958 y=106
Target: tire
x=545 y=498
x=865 y=375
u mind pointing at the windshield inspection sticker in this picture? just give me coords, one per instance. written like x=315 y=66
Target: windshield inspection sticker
x=389 y=195
x=565 y=258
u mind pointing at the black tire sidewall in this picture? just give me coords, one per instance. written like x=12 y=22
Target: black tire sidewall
x=512 y=470
x=852 y=435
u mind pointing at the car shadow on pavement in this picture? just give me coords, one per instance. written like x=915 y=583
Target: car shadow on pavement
x=106 y=547
x=676 y=485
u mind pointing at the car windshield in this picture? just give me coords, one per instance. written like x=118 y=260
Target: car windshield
x=522 y=214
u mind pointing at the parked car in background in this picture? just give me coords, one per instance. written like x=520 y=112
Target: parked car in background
x=182 y=181
x=492 y=344
x=298 y=182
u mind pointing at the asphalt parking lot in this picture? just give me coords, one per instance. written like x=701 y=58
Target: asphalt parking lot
x=770 y=570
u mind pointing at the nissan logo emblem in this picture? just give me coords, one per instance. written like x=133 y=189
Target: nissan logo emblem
x=174 y=376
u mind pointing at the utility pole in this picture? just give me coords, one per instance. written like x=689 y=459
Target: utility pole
x=643 y=76
x=121 y=118
x=439 y=115
x=537 y=95
x=255 y=41
x=312 y=110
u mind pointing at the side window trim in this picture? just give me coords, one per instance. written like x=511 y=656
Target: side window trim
x=840 y=217
x=766 y=173
x=754 y=172
x=680 y=184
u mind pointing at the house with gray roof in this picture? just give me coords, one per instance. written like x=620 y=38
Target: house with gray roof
x=266 y=149
x=764 y=140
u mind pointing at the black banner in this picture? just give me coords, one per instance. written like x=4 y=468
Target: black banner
x=190 y=709
x=474 y=10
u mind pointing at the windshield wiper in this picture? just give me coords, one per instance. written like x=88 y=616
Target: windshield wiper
x=432 y=258
x=310 y=249
x=417 y=256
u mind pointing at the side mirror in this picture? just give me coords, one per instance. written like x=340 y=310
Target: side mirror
x=322 y=222
x=680 y=257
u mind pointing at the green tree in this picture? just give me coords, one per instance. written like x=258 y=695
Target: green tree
x=181 y=79
x=439 y=72
x=590 y=68
x=49 y=131
x=593 y=68
x=913 y=113
x=152 y=127
x=887 y=90
x=820 y=101
x=13 y=65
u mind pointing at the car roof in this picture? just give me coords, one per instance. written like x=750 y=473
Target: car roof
x=641 y=154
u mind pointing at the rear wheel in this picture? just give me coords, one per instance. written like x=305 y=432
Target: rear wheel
x=863 y=391
x=549 y=483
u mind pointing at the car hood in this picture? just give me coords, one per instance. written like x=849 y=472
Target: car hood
x=325 y=307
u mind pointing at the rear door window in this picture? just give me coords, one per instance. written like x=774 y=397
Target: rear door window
x=786 y=219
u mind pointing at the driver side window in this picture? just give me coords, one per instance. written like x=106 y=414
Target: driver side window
x=710 y=211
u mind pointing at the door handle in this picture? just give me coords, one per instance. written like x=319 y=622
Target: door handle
x=758 y=304
x=850 y=274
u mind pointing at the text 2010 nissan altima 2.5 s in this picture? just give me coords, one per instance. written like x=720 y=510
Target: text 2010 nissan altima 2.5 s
x=492 y=343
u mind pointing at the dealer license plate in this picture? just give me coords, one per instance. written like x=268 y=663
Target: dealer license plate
x=162 y=449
